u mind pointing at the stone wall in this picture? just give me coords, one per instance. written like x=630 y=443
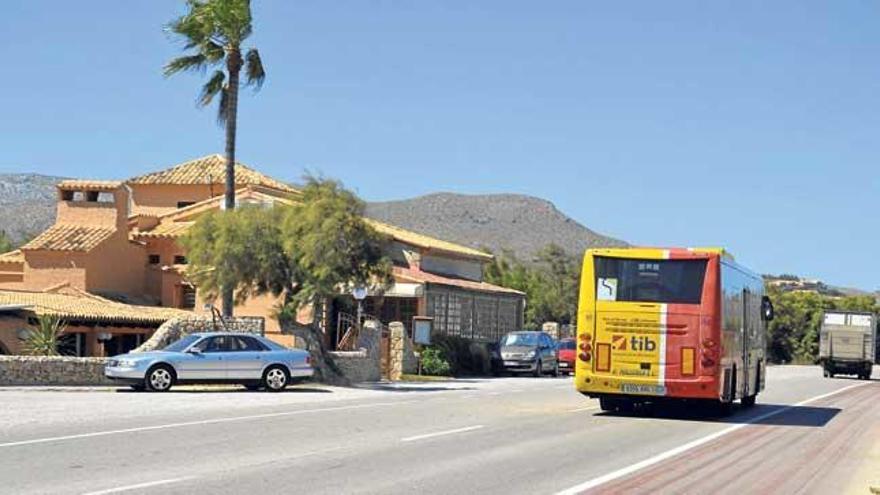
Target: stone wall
x=395 y=357
x=357 y=366
x=172 y=330
x=363 y=365
x=52 y=370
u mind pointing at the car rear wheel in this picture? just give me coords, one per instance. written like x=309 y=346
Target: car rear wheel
x=159 y=378
x=275 y=378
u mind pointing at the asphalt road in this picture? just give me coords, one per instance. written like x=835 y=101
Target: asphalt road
x=808 y=434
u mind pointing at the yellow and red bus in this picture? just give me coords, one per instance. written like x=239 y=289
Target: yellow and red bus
x=657 y=324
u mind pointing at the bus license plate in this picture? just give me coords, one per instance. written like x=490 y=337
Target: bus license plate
x=630 y=388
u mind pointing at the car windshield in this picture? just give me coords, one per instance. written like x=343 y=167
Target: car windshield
x=520 y=339
x=567 y=345
x=182 y=344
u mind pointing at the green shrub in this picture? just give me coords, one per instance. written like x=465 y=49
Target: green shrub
x=434 y=363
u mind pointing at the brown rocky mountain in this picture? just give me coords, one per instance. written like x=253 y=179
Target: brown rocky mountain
x=27 y=204
x=520 y=224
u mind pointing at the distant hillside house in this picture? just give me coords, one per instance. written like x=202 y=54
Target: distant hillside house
x=118 y=239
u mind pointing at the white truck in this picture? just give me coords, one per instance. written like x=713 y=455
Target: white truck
x=848 y=343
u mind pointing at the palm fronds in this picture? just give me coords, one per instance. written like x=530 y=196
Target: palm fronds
x=43 y=339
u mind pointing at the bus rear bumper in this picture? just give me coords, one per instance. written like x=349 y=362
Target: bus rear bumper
x=703 y=387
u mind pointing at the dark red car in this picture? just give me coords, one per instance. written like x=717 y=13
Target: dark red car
x=566 y=355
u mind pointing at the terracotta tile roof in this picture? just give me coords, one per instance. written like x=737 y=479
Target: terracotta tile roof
x=68 y=237
x=78 y=305
x=427 y=242
x=12 y=257
x=166 y=230
x=243 y=195
x=410 y=275
x=90 y=185
x=175 y=223
x=209 y=169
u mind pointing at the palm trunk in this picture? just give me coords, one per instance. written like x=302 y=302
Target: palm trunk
x=234 y=66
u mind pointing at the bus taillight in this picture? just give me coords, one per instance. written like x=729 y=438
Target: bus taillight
x=585 y=357
x=709 y=356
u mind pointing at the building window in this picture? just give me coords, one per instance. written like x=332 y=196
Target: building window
x=184 y=204
x=154 y=259
x=180 y=259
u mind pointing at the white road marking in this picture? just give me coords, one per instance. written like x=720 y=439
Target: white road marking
x=150 y=484
x=196 y=423
x=441 y=433
x=601 y=480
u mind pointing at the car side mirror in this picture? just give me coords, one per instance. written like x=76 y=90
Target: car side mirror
x=194 y=350
x=766 y=309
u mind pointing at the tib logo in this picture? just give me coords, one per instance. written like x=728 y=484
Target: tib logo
x=644 y=343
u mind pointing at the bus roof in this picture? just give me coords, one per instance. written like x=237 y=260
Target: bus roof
x=660 y=252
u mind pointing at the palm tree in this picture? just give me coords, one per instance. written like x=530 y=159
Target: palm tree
x=213 y=32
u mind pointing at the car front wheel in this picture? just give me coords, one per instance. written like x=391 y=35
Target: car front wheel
x=275 y=378
x=159 y=378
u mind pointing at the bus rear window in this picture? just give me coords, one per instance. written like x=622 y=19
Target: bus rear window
x=660 y=281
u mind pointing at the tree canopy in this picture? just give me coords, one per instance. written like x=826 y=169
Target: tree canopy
x=213 y=31
x=550 y=282
x=306 y=252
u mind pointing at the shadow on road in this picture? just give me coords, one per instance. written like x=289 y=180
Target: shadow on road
x=761 y=414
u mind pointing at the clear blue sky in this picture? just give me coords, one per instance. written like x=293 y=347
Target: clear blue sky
x=753 y=125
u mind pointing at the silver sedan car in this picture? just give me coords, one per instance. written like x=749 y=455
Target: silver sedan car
x=248 y=359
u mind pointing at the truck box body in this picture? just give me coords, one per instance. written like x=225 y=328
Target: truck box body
x=847 y=342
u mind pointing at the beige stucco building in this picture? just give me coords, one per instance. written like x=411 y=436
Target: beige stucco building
x=118 y=240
